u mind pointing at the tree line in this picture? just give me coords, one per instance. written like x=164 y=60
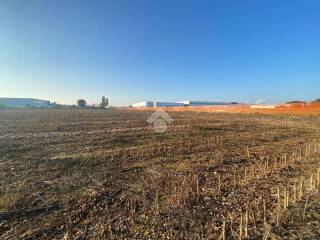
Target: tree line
x=82 y=103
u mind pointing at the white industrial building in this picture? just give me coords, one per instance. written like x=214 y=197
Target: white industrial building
x=203 y=103
x=143 y=104
x=23 y=103
x=177 y=104
x=168 y=104
x=157 y=104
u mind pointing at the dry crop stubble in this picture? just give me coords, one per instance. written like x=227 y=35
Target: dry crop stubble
x=107 y=174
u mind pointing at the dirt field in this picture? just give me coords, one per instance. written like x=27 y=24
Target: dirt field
x=97 y=174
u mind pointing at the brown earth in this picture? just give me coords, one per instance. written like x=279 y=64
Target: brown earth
x=96 y=174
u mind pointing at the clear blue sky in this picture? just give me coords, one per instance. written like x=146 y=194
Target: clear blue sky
x=137 y=50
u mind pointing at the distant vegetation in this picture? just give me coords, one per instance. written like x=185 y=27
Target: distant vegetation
x=81 y=103
x=296 y=101
x=104 y=102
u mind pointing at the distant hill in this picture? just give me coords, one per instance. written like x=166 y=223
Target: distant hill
x=23 y=103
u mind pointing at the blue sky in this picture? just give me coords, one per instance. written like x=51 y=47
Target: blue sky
x=139 y=50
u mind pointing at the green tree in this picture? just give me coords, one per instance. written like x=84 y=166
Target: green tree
x=81 y=103
x=107 y=102
x=104 y=102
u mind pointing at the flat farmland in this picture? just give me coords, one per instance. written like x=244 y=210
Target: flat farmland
x=106 y=174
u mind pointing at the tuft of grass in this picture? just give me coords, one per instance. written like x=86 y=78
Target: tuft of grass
x=7 y=201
